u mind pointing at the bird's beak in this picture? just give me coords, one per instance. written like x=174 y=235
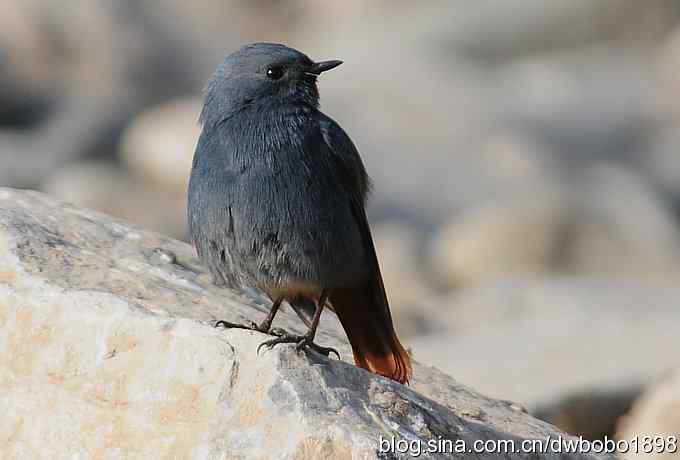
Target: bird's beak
x=324 y=66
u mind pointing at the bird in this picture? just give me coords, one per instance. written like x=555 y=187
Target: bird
x=276 y=202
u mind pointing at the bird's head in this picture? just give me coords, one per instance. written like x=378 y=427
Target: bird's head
x=262 y=73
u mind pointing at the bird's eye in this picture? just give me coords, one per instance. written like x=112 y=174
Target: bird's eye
x=275 y=72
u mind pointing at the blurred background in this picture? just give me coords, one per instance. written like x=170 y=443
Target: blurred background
x=525 y=155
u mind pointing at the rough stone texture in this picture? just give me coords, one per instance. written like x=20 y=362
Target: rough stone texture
x=655 y=413
x=107 y=351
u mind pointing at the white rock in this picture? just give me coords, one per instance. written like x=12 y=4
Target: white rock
x=622 y=226
x=656 y=414
x=159 y=145
x=515 y=238
x=537 y=341
x=107 y=351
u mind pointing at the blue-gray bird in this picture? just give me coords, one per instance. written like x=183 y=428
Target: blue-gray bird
x=276 y=202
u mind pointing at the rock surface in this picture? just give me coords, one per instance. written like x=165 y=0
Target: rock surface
x=622 y=227
x=655 y=413
x=107 y=351
x=613 y=223
x=159 y=146
x=491 y=241
x=549 y=339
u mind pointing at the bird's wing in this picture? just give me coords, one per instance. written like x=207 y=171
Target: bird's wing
x=346 y=157
x=350 y=169
x=362 y=307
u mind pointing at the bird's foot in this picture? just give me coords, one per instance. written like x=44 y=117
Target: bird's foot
x=277 y=331
x=249 y=325
x=300 y=341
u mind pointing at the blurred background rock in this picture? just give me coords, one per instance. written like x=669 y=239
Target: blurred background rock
x=525 y=154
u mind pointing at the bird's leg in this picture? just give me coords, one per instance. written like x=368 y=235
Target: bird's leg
x=264 y=326
x=299 y=311
x=306 y=340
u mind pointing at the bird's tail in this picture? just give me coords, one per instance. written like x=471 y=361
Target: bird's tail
x=365 y=316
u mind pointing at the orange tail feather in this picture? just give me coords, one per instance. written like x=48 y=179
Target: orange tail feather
x=365 y=315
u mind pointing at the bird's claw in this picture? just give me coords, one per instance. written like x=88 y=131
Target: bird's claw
x=278 y=332
x=300 y=341
x=281 y=337
x=227 y=325
x=326 y=351
x=247 y=324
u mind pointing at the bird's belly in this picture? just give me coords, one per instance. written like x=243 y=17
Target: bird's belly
x=294 y=289
x=297 y=237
